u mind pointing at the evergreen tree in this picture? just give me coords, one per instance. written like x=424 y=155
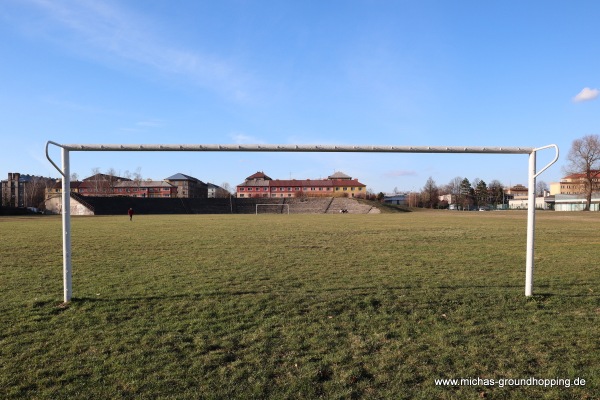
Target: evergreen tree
x=466 y=193
x=481 y=194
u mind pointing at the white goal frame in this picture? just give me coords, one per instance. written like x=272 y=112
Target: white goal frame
x=273 y=205
x=66 y=181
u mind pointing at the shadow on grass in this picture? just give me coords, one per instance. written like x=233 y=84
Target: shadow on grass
x=551 y=295
x=353 y=291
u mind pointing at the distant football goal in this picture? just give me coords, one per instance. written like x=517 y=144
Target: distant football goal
x=66 y=174
x=278 y=208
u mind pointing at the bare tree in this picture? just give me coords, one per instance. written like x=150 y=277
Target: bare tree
x=29 y=189
x=371 y=195
x=227 y=187
x=429 y=193
x=111 y=178
x=5 y=196
x=540 y=188
x=496 y=190
x=137 y=177
x=96 y=183
x=584 y=159
x=34 y=191
x=453 y=189
x=224 y=191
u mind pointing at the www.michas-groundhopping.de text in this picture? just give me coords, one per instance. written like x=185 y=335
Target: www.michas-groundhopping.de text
x=503 y=382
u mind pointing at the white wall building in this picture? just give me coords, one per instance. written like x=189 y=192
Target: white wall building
x=522 y=204
x=575 y=202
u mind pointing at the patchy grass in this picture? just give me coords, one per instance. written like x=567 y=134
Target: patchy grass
x=299 y=306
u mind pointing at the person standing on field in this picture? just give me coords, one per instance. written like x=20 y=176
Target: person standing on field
x=130 y=213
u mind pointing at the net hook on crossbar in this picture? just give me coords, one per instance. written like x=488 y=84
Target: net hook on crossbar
x=551 y=162
x=48 y=143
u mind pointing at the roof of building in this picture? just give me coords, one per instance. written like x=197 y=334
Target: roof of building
x=259 y=175
x=339 y=175
x=143 y=184
x=73 y=184
x=182 y=177
x=304 y=183
x=25 y=178
x=594 y=172
x=93 y=183
x=517 y=187
x=260 y=179
x=97 y=177
x=213 y=186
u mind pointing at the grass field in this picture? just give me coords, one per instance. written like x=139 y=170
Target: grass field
x=299 y=306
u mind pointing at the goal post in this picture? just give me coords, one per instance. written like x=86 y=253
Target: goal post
x=67 y=148
x=274 y=205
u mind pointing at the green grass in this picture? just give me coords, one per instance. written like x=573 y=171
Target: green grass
x=299 y=306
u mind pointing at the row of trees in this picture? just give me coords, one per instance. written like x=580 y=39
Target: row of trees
x=462 y=192
x=583 y=165
x=466 y=194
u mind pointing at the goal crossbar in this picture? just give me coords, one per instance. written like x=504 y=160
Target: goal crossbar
x=295 y=148
x=67 y=148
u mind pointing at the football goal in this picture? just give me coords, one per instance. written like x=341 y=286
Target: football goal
x=277 y=208
x=66 y=184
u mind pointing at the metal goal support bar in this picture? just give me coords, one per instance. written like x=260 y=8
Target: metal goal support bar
x=66 y=174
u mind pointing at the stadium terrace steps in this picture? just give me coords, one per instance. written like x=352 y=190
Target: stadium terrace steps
x=309 y=205
x=351 y=205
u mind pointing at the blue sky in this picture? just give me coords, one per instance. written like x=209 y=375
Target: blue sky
x=474 y=73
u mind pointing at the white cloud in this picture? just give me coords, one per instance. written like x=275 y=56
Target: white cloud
x=586 y=94
x=107 y=31
x=143 y=126
x=242 y=138
x=150 y=123
x=399 y=173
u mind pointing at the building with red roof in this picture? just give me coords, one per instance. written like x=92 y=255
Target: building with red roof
x=336 y=185
x=576 y=183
